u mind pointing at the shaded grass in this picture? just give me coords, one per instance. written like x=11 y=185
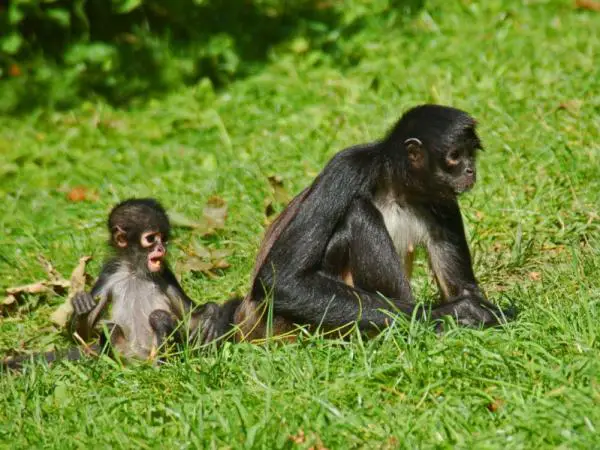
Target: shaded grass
x=532 y=219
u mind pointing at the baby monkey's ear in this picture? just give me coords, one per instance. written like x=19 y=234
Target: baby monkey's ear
x=119 y=236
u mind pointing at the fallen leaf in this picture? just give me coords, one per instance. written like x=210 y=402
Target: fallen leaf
x=497 y=247
x=77 y=282
x=206 y=260
x=553 y=249
x=15 y=295
x=572 y=106
x=279 y=195
x=81 y=193
x=220 y=253
x=392 y=442
x=590 y=5
x=535 y=276
x=201 y=251
x=215 y=211
x=55 y=285
x=500 y=288
x=179 y=220
x=495 y=405
x=37 y=288
x=298 y=438
x=9 y=300
x=221 y=264
x=50 y=269
x=319 y=445
x=213 y=217
x=195 y=264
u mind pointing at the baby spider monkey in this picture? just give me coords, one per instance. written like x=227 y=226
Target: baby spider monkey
x=148 y=304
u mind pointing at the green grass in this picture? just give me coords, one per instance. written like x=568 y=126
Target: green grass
x=532 y=220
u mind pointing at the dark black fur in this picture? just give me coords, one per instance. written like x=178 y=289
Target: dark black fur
x=336 y=226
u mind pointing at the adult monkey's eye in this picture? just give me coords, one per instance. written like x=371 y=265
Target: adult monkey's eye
x=454 y=155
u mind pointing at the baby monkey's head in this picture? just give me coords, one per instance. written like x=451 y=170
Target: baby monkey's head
x=139 y=230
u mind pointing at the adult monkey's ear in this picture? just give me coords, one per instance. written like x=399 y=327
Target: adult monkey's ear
x=416 y=152
x=119 y=236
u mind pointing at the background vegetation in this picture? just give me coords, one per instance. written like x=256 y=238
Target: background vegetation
x=124 y=50
x=196 y=99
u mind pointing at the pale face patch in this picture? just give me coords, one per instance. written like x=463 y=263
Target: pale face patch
x=153 y=240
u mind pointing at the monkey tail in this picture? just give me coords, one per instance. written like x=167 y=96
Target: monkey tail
x=17 y=363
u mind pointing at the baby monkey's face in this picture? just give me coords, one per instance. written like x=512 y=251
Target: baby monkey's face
x=155 y=245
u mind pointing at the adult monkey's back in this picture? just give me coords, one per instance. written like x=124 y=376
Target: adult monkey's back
x=342 y=251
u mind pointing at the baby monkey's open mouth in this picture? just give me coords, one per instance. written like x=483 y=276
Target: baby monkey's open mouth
x=155 y=260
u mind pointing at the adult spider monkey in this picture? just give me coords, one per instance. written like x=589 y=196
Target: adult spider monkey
x=348 y=240
x=148 y=304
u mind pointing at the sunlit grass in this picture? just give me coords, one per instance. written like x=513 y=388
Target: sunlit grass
x=527 y=71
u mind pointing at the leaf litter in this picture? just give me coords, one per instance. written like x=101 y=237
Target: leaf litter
x=213 y=217
x=56 y=284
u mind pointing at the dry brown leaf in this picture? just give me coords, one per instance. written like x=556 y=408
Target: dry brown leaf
x=500 y=288
x=220 y=253
x=206 y=260
x=213 y=217
x=497 y=247
x=573 y=106
x=201 y=251
x=215 y=212
x=279 y=195
x=553 y=249
x=16 y=294
x=181 y=221
x=495 y=405
x=81 y=193
x=33 y=288
x=77 y=282
x=298 y=438
x=195 y=264
x=318 y=446
x=56 y=285
x=9 y=300
x=535 y=276
x=221 y=264
x=50 y=269
x=392 y=442
x=590 y=5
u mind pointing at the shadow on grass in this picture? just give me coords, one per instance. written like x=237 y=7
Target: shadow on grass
x=124 y=58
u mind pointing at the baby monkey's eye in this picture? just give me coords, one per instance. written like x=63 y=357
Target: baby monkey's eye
x=149 y=239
